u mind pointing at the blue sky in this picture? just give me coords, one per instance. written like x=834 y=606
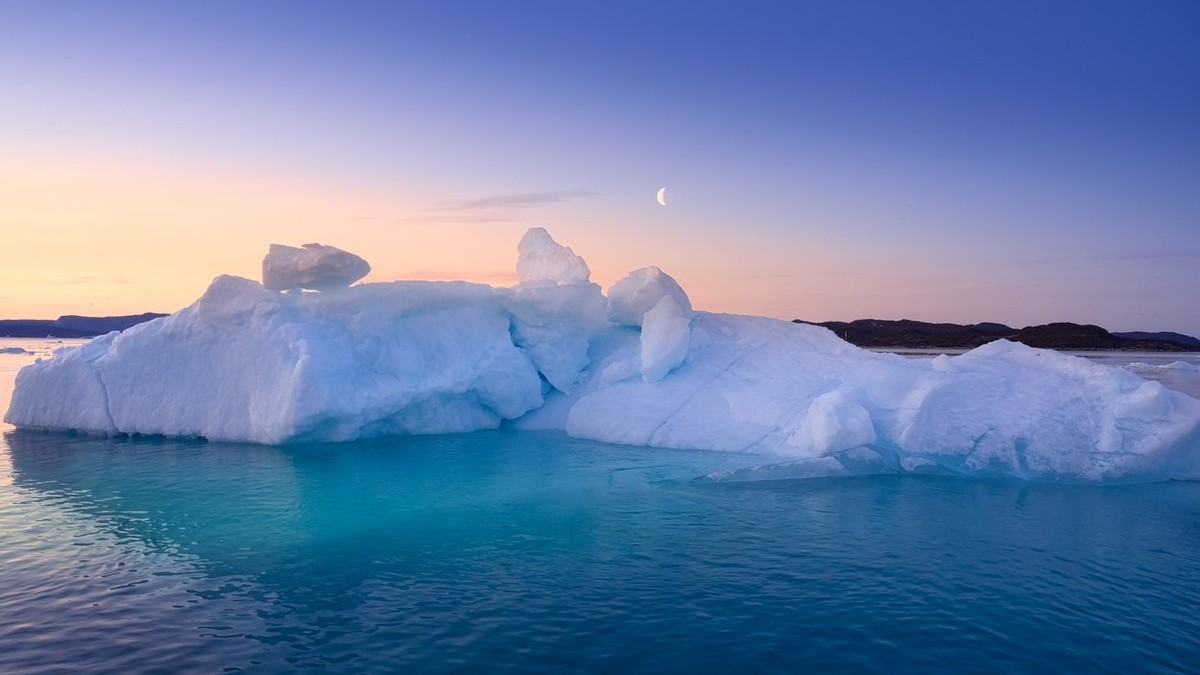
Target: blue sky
x=1015 y=162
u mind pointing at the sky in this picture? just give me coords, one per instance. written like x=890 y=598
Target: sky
x=1018 y=162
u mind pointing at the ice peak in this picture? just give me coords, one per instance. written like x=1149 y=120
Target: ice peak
x=541 y=261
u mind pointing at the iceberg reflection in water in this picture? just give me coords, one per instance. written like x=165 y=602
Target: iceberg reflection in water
x=537 y=552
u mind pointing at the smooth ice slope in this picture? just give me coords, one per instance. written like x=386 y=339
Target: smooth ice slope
x=765 y=386
x=247 y=363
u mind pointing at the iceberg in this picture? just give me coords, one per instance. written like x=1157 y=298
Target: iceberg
x=1183 y=366
x=638 y=366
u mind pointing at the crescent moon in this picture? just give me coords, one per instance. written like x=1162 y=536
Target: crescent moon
x=662 y=196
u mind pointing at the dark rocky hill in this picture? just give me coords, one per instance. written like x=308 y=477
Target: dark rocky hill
x=922 y=335
x=1161 y=335
x=71 y=326
x=906 y=333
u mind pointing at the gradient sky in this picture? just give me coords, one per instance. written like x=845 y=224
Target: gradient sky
x=943 y=161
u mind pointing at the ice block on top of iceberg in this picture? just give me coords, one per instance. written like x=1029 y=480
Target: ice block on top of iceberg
x=314 y=267
x=541 y=261
x=556 y=310
x=630 y=298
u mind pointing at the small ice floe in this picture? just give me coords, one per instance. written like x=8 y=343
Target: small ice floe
x=1183 y=366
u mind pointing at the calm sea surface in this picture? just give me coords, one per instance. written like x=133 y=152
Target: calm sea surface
x=499 y=551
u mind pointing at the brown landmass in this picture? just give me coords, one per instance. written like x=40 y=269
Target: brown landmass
x=1067 y=336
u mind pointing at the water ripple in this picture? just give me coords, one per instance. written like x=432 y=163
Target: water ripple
x=536 y=553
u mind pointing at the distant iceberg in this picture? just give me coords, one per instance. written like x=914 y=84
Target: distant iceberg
x=1183 y=366
x=637 y=366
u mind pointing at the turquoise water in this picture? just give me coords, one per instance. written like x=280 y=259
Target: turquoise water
x=531 y=552
x=507 y=552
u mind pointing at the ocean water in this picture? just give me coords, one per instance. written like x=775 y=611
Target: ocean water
x=533 y=552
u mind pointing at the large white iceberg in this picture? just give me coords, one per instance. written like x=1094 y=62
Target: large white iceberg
x=639 y=367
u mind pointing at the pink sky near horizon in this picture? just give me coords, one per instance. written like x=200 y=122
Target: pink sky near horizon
x=122 y=236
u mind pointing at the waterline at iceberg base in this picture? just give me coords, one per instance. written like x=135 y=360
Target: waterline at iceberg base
x=638 y=366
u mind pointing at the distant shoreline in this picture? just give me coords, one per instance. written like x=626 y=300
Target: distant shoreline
x=872 y=333
x=907 y=334
x=71 y=326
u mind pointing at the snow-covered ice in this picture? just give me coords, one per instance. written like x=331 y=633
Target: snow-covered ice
x=13 y=350
x=639 y=367
x=315 y=267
